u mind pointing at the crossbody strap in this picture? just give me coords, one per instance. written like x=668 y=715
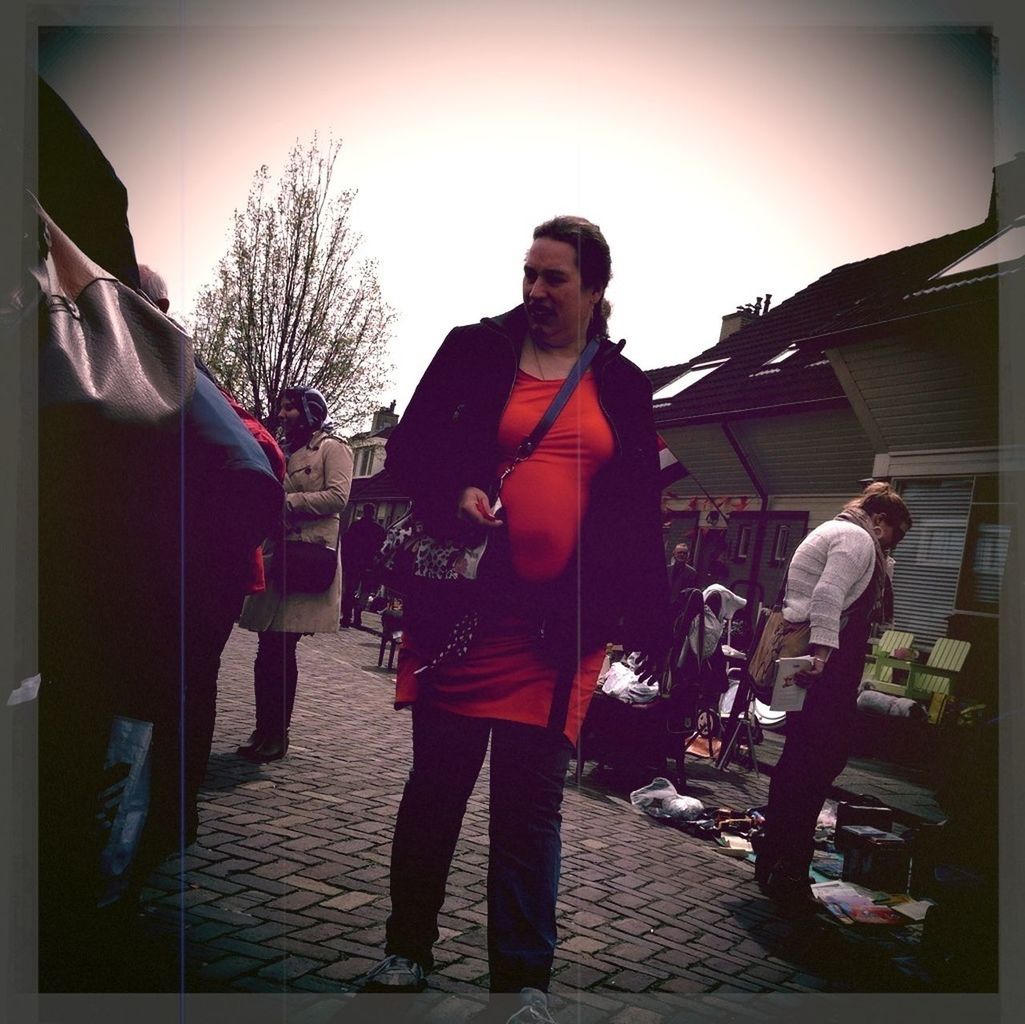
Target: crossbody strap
x=781 y=596
x=529 y=444
x=533 y=439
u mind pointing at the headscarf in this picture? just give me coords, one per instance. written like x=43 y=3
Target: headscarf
x=313 y=406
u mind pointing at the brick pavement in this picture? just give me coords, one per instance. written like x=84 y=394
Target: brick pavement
x=286 y=888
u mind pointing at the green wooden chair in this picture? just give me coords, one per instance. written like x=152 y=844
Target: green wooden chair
x=880 y=672
x=934 y=680
x=931 y=682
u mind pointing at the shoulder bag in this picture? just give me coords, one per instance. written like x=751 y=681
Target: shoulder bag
x=301 y=567
x=444 y=575
x=773 y=638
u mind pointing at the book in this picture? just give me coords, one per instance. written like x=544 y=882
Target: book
x=852 y=904
x=787 y=694
x=733 y=846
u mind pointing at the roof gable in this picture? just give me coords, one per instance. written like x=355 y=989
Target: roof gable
x=856 y=294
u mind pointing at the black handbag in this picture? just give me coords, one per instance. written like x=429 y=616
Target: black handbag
x=301 y=567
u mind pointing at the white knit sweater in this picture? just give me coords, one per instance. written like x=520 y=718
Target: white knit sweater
x=830 y=570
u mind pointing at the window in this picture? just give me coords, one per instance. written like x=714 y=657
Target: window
x=986 y=547
x=781 y=356
x=365 y=461
x=780 y=545
x=1003 y=247
x=929 y=560
x=743 y=545
x=689 y=376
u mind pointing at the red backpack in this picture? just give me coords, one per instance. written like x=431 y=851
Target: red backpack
x=257 y=581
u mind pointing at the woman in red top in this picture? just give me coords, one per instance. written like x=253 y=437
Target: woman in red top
x=583 y=530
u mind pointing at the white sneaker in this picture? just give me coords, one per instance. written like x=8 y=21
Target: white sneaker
x=395 y=974
x=534 y=1009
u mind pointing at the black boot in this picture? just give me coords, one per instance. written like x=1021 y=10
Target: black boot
x=272 y=748
x=255 y=740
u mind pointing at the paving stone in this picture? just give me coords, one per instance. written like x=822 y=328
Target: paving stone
x=261 y=951
x=348 y=901
x=288 y=969
x=631 y=981
x=309 y=841
x=230 y=967
x=208 y=930
x=295 y=901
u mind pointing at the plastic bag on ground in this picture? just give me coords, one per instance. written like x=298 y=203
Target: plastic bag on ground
x=660 y=799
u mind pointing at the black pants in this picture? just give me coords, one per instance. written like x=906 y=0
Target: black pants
x=818 y=739
x=275 y=676
x=528 y=772
x=352 y=597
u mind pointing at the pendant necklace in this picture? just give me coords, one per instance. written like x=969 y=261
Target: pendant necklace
x=537 y=360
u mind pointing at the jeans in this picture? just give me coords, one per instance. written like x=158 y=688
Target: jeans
x=275 y=676
x=528 y=771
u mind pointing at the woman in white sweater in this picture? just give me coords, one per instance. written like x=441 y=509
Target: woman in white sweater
x=839 y=583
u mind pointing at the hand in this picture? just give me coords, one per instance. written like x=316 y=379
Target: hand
x=475 y=507
x=820 y=655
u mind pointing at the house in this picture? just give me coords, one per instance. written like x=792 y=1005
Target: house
x=368 y=447
x=370 y=481
x=884 y=368
x=389 y=501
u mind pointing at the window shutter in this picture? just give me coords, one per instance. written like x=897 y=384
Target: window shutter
x=929 y=558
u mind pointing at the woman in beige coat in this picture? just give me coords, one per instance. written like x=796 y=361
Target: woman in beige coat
x=317 y=484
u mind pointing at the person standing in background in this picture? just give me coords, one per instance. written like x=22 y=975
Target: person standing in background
x=837 y=587
x=360 y=543
x=682 y=575
x=317 y=482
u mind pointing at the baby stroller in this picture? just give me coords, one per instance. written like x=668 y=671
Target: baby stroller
x=697 y=676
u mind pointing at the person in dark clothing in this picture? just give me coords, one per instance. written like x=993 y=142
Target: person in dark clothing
x=360 y=543
x=81 y=191
x=682 y=575
x=581 y=533
x=146 y=523
x=837 y=587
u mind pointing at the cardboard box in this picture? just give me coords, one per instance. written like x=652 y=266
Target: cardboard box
x=874 y=858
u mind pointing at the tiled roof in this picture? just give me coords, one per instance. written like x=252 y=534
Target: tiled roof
x=661 y=377
x=857 y=294
x=384 y=432
x=375 y=488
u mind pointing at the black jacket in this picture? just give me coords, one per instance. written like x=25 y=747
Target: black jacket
x=360 y=543
x=448 y=440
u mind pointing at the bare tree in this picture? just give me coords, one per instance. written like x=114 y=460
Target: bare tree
x=292 y=302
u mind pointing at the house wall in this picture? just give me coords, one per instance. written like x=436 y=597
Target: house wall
x=927 y=393
x=706 y=453
x=373 y=463
x=823 y=452
x=820 y=507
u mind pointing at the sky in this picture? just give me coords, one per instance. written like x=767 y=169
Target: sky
x=725 y=154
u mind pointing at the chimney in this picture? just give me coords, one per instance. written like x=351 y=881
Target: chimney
x=1007 y=199
x=732 y=322
x=384 y=418
x=746 y=314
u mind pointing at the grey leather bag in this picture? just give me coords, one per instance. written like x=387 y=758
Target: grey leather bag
x=106 y=345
